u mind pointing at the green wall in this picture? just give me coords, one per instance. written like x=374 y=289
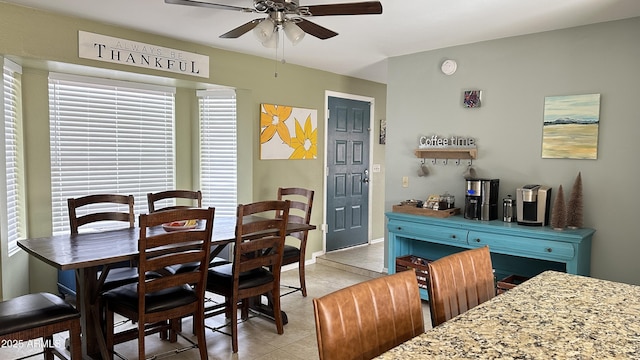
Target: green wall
x=43 y=42
x=515 y=74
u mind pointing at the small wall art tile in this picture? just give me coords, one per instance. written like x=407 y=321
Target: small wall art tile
x=472 y=98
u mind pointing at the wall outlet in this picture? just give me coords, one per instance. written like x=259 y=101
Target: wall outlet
x=405 y=181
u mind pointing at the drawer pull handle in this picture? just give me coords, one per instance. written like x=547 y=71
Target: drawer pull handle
x=454 y=237
x=399 y=228
x=549 y=249
x=477 y=239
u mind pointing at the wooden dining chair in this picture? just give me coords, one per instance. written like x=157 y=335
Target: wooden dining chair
x=157 y=305
x=257 y=262
x=94 y=209
x=40 y=315
x=364 y=320
x=300 y=212
x=174 y=199
x=459 y=282
x=170 y=199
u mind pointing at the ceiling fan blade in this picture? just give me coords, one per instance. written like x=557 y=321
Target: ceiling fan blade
x=241 y=30
x=359 y=8
x=208 y=5
x=316 y=30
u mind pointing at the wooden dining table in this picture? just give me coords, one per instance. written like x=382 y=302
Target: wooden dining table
x=87 y=253
x=553 y=315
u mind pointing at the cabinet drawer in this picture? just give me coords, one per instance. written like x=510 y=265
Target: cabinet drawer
x=521 y=246
x=440 y=234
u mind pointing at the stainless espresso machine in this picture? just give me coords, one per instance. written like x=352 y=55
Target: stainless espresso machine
x=481 y=199
x=532 y=204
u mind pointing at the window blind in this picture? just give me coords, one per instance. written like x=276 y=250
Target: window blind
x=14 y=209
x=218 y=151
x=108 y=137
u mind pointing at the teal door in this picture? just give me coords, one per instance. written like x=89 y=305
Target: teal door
x=347 y=173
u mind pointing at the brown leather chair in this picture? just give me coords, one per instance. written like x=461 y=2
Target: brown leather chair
x=459 y=282
x=257 y=261
x=195 y=197
x=157 y=305
x=40 y=315
x=300 y=212
x=93 y=209
x=364 y=320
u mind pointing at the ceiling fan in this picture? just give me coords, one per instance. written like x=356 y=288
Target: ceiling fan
x=287 y=15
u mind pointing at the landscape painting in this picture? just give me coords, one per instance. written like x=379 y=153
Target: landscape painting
x=288 y=132
x=570 y=129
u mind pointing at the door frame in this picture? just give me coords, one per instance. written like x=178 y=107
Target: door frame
x=327 y=95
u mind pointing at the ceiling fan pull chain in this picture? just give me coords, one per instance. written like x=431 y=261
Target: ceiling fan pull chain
x=275 y=74
x=283 y=60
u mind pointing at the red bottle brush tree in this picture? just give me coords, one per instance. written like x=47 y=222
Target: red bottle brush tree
x=559 y=215
x=574 y=207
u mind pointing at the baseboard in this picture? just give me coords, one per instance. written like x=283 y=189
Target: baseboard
x=307 y=262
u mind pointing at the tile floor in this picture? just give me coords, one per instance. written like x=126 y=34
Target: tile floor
x=257 y=337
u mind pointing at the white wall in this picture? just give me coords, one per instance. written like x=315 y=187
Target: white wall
x=515 y=74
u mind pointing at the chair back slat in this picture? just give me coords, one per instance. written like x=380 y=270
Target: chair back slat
x=190 y=196
x=173 y=258
x=166 y=282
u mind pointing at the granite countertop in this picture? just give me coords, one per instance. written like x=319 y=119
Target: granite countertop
x=551 y=316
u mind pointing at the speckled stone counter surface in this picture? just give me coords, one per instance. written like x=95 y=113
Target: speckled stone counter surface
x=551 y=316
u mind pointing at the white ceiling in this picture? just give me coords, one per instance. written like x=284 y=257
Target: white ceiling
x=365 y=42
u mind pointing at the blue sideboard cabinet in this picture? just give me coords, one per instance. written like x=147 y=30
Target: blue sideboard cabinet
x=515 y=249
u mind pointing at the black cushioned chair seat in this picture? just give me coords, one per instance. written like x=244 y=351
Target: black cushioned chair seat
x=120 y=276
x=291 y=252
x=176 y=269
x=127 y=296
x=222 y=276
x=33 y=310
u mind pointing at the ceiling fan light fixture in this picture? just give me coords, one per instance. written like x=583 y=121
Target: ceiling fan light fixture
x=264 y=30
x=273 y=41
x=294 y=32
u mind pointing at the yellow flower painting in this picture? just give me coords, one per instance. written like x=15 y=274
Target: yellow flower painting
x=288 y=133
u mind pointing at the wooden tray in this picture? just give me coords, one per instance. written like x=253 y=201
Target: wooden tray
x=407 y=262
x=412 y=209
x=509 y=283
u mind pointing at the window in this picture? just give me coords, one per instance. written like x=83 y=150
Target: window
x=108 y=137
x=12 y=181
x=218 y=151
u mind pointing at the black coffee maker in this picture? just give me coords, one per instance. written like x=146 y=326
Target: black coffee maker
x=481 y=199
